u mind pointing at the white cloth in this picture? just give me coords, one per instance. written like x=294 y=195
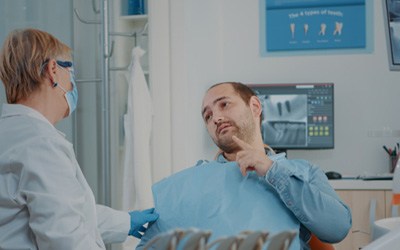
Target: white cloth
x=45 y=201
x=137 y=179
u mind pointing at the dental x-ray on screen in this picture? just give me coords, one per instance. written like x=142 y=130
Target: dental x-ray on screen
x=297 y=116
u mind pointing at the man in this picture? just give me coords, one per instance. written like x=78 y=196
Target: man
x=232 y=114
x=283 y=194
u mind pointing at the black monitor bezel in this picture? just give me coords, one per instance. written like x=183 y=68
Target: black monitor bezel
x=387 y=20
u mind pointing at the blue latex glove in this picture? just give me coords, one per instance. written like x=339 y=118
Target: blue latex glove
x=139 y=218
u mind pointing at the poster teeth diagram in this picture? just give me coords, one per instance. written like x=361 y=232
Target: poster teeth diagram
x=338 y=26
x=321 y=24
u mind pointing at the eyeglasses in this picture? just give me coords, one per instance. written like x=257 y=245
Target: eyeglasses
x=64 y=64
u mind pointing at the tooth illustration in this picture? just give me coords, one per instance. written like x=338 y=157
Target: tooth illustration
x=305 y=29
x=323 y=29
x=292 y=27
x=338 y=28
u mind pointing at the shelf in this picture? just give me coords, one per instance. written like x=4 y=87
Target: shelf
x=344 y=184
x=134 y=17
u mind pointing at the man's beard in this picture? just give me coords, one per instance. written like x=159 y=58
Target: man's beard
x=244 y=132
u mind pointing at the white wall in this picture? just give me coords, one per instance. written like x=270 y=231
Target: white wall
x=213 y=41
x=22 y=14
x=87 y=58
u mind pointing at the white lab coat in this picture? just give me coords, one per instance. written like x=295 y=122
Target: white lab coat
x=137 y=178
x=45 y=201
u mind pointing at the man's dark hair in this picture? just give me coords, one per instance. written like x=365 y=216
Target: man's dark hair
x=243 y=90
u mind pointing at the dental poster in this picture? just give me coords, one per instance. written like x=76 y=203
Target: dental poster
x=315 y=24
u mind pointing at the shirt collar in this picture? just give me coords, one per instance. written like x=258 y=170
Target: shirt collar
x=9 y=110
x=268 y=151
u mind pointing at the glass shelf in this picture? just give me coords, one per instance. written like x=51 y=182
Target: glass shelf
x=134 y=17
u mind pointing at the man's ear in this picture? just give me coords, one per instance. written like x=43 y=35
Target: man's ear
x=255 y=106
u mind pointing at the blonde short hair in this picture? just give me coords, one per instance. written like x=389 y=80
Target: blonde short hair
x=22 y=59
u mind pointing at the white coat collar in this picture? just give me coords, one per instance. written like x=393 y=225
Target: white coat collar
x=19 y=109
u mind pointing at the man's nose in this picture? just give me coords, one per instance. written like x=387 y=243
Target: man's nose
x=218 y=118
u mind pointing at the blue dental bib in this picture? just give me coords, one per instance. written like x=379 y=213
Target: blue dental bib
x=216 y=197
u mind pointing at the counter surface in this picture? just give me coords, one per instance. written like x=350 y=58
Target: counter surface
x=348 y=184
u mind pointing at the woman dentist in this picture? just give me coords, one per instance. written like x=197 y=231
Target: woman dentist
x=45 y=201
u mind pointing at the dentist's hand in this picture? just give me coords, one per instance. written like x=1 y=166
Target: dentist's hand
x=250 y=158
x=139 y=218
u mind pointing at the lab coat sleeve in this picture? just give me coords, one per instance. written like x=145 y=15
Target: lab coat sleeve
x=62 y=211
x=305 y=190
x=114 y=225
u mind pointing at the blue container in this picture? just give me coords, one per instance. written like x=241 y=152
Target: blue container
x=136 y=7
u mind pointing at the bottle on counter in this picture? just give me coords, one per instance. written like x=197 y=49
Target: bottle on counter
x=396 y=190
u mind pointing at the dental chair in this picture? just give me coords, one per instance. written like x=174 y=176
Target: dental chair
x=194 y=239
x=317 y=244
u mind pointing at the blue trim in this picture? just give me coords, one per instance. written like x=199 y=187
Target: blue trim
x=263 y=43
x=284 y=4
x=369 y=43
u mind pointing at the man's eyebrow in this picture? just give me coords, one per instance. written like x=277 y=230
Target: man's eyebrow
x=213 y=103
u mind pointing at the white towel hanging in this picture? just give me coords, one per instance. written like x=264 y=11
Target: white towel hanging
x=138 y=125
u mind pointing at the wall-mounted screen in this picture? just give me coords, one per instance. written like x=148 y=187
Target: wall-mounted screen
x=392 y=26
x=297 y=116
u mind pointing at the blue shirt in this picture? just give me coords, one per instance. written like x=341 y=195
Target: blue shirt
x=305 y=190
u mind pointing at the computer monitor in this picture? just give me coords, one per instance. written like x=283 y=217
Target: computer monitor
x=391 y=9
x=297 y=116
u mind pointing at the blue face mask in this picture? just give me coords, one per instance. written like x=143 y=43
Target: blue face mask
x=72 y=95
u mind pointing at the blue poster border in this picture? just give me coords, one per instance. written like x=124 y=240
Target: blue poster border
x=369 y=43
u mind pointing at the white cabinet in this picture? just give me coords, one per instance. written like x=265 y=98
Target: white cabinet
x=367 y=200
x=360 y=203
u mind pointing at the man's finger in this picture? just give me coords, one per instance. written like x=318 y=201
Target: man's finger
x=240 y=143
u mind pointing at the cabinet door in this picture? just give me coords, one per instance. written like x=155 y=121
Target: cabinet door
x=359 y=202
